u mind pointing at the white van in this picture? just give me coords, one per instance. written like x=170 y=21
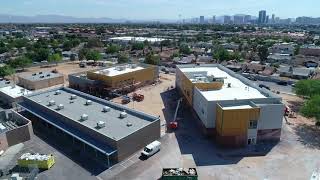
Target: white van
x=151 y=149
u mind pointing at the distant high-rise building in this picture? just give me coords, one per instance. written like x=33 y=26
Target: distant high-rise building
x=262 y=17
x=267 y=20
x=227 y=20
x=213 y=19
x=201 y=19
x=238 y=19
x=273 y=20
x=247 y=19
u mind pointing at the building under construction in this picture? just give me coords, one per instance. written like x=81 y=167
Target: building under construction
x=230 y=106
x=120 y=79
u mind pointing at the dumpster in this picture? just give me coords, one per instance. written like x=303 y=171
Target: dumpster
x=179 y=174
x=42 y=161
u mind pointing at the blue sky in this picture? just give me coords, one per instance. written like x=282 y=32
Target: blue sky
x=159 y=9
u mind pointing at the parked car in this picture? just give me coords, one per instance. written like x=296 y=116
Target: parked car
x=282 y=83
x=151 y=149
x=264 y=86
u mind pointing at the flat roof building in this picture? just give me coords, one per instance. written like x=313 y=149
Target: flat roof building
x=213 y=89
x=128 y=39
x=108 y=128
x=119 y=79
x=14 y=129
x=40 y=80
x=11 y=93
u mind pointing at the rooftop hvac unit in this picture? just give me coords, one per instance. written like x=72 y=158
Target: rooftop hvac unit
x=129 y=124
x=229 y=85
x=41 y=76
x=88 y=102
x=57 y=92
x=84 y=117
x=48 y=75
x=34 y=74
x=60 y=106
x=52 y=102
x=121 y=68
x=40 y=72
x=73 y=96
x=106 y=109
x=123 y=114
x=101 y=124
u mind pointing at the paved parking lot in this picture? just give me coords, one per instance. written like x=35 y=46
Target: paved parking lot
x=275 y=87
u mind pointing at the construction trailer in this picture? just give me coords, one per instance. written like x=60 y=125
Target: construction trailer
x=100 y=129
x=230 y=107
x=40 y=80
x=120 y=79
x=14 y=129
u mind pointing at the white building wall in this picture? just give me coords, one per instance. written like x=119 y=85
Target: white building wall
x=201 y=107
x=271 y=116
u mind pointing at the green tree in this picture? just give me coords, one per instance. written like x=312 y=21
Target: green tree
x=152 y=59
x=311 y=108
x=221 y=54
x=137 y=46
x=93 y=55
x=123 y=58
x=93 y=43
x=6 y=71
x=113 y=48
x=56 y=58
x=307 y=88
x=83 y=53
x=20 y=62
x=184 y=49
x=263 y=53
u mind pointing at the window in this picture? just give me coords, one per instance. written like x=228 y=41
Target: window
x=253 y=124
x=251 y=141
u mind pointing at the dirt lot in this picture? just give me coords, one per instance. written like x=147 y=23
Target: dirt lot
x=153 y=96
x=64 y=68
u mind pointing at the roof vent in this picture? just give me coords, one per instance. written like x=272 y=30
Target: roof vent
x=73 y=96
x=101 y=124
x=52 y=102
x=106 y=109
x=48 y=75
x=129 y=124
x=57 y=92
x=34 y=74
x=60 y=106
x=84 y=117
x=41 y=76
x=88 y=102
x=123 y=114
x=40 y=72
x=229 y=85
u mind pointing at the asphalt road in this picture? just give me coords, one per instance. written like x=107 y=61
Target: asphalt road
x=275 y=87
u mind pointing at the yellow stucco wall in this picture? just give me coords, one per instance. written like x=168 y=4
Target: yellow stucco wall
x=209 y=86
x=148 y=74
x=235 y=122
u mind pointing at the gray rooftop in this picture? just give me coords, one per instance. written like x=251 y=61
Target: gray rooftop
x=40 y=76
x=116 y=128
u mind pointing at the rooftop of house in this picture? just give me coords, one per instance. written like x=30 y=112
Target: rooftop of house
x=119 y=70
x=89 y=111
x=234 y=87
x=40 y=76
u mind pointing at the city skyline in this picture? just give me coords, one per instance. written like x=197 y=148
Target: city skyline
x=158 y=9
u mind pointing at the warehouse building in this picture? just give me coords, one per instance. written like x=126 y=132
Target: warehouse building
x=103 y=130
x=14 y=129
x=40 y=80
x=120 y=79
x=230 y=106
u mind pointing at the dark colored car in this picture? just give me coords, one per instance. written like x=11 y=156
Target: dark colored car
x=264 y=86
x=282 y=83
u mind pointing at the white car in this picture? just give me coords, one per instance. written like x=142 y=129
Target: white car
x=151 y=149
